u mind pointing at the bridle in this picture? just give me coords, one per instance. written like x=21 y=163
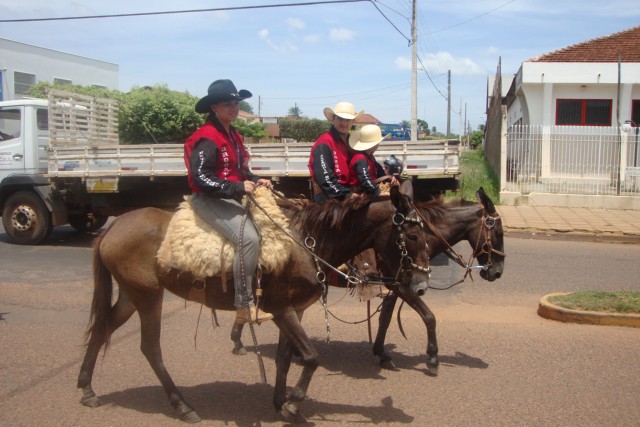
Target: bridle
x=487 y=223
x=357 y=277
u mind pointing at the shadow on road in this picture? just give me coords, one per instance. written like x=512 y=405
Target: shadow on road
x=64 y=236
x=228 y=402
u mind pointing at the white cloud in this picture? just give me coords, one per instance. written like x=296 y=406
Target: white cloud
x=341 y=35
x=284 y=47
x=296 y=23
x=312 y=38
x=403 y=63
x=443 y=61
x=491 y=51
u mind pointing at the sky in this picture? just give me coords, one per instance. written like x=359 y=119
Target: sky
x=314 y=56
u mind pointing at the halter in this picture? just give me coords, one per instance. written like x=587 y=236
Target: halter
x=406 y=262
x=486 y=224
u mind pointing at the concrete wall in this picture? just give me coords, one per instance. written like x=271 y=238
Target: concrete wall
x=47 y=65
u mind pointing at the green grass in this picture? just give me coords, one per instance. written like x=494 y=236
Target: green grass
x=475 y=173
x=608 y=302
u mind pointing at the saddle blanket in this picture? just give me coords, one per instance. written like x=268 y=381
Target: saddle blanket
x=193 y=246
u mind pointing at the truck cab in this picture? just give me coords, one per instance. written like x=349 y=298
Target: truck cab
x=24 y=190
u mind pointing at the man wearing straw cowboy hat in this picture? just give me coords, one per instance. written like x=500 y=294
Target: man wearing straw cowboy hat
x=329 y=157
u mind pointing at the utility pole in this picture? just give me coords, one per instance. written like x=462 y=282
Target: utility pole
x=259 y=103
x=466 y=125
x=449 y=103
x=414 y=76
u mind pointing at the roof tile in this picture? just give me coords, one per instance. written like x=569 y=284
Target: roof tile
x=602 y=49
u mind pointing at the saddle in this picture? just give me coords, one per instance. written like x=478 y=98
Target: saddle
x=191 y=245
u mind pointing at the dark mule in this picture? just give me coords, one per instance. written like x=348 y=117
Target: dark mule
x=447 y=224
x=477 y=223
x=127 y=252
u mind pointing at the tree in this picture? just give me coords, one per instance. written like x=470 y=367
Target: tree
x=250 y=130
x=307 y=130
x=295 y=111
x=405 y=124
x=476 y=139
x=423 y=127
x=246 y=107
x=146 y=114
x=166 y=114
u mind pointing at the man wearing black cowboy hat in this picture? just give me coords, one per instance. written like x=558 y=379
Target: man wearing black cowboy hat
x=219 y=177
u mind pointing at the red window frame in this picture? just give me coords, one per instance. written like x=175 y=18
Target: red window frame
x=583 y=112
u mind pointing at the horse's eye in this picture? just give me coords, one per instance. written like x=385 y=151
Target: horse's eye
x=412 y=237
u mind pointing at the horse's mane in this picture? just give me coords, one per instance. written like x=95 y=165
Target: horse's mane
x=437 y=210
x=318 y=219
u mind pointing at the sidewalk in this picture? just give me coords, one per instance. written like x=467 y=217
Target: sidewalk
x=596 y=224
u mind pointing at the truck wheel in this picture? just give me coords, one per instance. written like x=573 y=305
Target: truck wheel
x=26 y=218
x=88 y=222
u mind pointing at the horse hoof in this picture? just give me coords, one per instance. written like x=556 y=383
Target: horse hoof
x=291 y=414
x=432 y=370
x=239 y=351
x=191 y=417
x=91 y=401
x=296 y=395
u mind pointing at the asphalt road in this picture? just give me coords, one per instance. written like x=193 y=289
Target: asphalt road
x=501 y=364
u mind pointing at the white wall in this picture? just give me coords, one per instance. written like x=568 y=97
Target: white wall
x=540 y=84
x=47 y=64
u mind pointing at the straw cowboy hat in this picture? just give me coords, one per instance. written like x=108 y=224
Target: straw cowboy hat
x=346 y=110
x=367 y=137
x=219 y=91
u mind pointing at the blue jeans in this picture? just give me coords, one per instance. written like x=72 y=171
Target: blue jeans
x=225 y=216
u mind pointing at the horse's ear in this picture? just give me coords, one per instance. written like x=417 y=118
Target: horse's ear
x=400 y=199
x=485 y=201
x=406 y=188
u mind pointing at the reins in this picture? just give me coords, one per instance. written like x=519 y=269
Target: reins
x=406 y=262
x=486 y=224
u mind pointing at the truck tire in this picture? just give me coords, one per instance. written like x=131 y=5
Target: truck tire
x=26 y=218
x=88 y=222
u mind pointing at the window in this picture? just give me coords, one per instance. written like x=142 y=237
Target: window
x=635 y=111
x=9 y=124
x=22 y=82
x=42 y=118
x=583 y=112
x=61 y=81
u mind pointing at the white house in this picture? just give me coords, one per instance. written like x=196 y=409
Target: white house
x=566 y=131
x=594 y=83
x=23 y=65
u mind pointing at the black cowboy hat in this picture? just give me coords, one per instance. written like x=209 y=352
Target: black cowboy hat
x=219 y=91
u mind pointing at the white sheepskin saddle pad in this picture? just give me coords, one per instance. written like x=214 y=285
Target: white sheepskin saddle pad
x=192 y=245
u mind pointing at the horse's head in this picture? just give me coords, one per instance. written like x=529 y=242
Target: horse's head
x=407 y=255
x=489 y=238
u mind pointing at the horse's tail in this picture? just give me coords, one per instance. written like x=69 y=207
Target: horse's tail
x=99 y=327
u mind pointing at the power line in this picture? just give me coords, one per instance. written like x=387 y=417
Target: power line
x=475 y=17
x=389 y=21
x=173 y=12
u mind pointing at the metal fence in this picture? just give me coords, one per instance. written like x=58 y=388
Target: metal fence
x=573 y=160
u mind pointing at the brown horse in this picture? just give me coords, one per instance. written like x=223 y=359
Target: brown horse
x=127 y=252
x=447 y=224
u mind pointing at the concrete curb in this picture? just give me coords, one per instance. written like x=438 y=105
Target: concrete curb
x=554 y=312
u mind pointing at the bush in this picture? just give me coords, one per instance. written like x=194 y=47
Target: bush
x=304 y=130
x=250 y=130
x=166 y=114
